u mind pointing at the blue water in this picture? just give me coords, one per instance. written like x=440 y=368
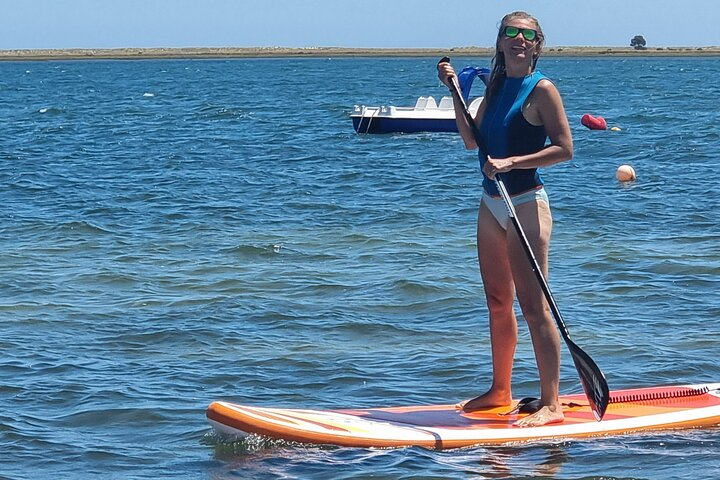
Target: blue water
x=179 y=232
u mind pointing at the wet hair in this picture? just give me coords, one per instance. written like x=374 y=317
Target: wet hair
x=498 y=73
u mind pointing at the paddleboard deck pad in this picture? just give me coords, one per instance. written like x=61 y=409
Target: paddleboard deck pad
x=443 y=426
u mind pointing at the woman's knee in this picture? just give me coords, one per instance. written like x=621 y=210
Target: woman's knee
x=537 y=314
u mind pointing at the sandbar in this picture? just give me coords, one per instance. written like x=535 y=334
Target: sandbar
x=315 y=52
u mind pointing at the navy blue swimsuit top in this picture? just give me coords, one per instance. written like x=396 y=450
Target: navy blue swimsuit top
x=506 y=133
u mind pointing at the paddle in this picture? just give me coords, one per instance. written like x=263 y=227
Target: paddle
x=592 y=379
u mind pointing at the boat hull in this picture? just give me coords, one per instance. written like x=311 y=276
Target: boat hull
x=425 y=116
x=402 y=125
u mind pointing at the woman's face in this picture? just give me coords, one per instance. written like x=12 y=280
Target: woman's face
x=519 y=40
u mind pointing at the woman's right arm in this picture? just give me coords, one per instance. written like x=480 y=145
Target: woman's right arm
x=446 y=74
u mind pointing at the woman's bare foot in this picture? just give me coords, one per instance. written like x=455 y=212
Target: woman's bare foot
x=490 y=399
x=547 y=415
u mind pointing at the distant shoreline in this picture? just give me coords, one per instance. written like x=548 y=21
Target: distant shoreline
x=314 y=52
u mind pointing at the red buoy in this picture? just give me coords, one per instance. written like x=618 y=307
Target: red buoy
x=593 y=123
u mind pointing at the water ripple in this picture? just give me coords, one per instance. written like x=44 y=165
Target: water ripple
x=177 y=232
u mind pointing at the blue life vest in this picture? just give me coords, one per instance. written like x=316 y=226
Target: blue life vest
x=506 y=133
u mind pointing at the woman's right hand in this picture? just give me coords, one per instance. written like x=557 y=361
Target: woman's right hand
x=446 y=73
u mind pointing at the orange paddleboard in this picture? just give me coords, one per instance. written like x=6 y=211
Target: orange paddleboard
x=443 y=426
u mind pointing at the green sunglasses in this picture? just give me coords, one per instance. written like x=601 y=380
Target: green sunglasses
x=527 y=33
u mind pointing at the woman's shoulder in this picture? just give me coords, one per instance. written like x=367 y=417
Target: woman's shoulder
x=545 y=86
x=542 y=79
x=545 y=96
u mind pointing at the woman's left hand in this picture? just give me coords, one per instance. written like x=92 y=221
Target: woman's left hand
x=494 y=166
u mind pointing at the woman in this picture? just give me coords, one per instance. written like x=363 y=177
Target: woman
x=521 y=110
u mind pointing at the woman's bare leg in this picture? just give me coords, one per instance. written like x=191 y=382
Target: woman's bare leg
x=500 y=293
x=536 y=219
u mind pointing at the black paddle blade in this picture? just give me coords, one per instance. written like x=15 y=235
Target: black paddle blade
x=592 y=380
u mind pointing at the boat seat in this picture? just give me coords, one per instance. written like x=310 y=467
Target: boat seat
x=475 y=104
x=421 y=103
x=431 y=104
x=446 y=103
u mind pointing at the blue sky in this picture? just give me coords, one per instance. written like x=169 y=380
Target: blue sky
x=43 y=24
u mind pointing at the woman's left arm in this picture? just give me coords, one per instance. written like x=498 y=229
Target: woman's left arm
x=551 y=112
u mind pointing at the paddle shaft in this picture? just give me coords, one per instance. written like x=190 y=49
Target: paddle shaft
x=533 y=261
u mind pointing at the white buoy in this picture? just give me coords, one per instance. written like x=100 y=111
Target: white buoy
x=625 y=173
